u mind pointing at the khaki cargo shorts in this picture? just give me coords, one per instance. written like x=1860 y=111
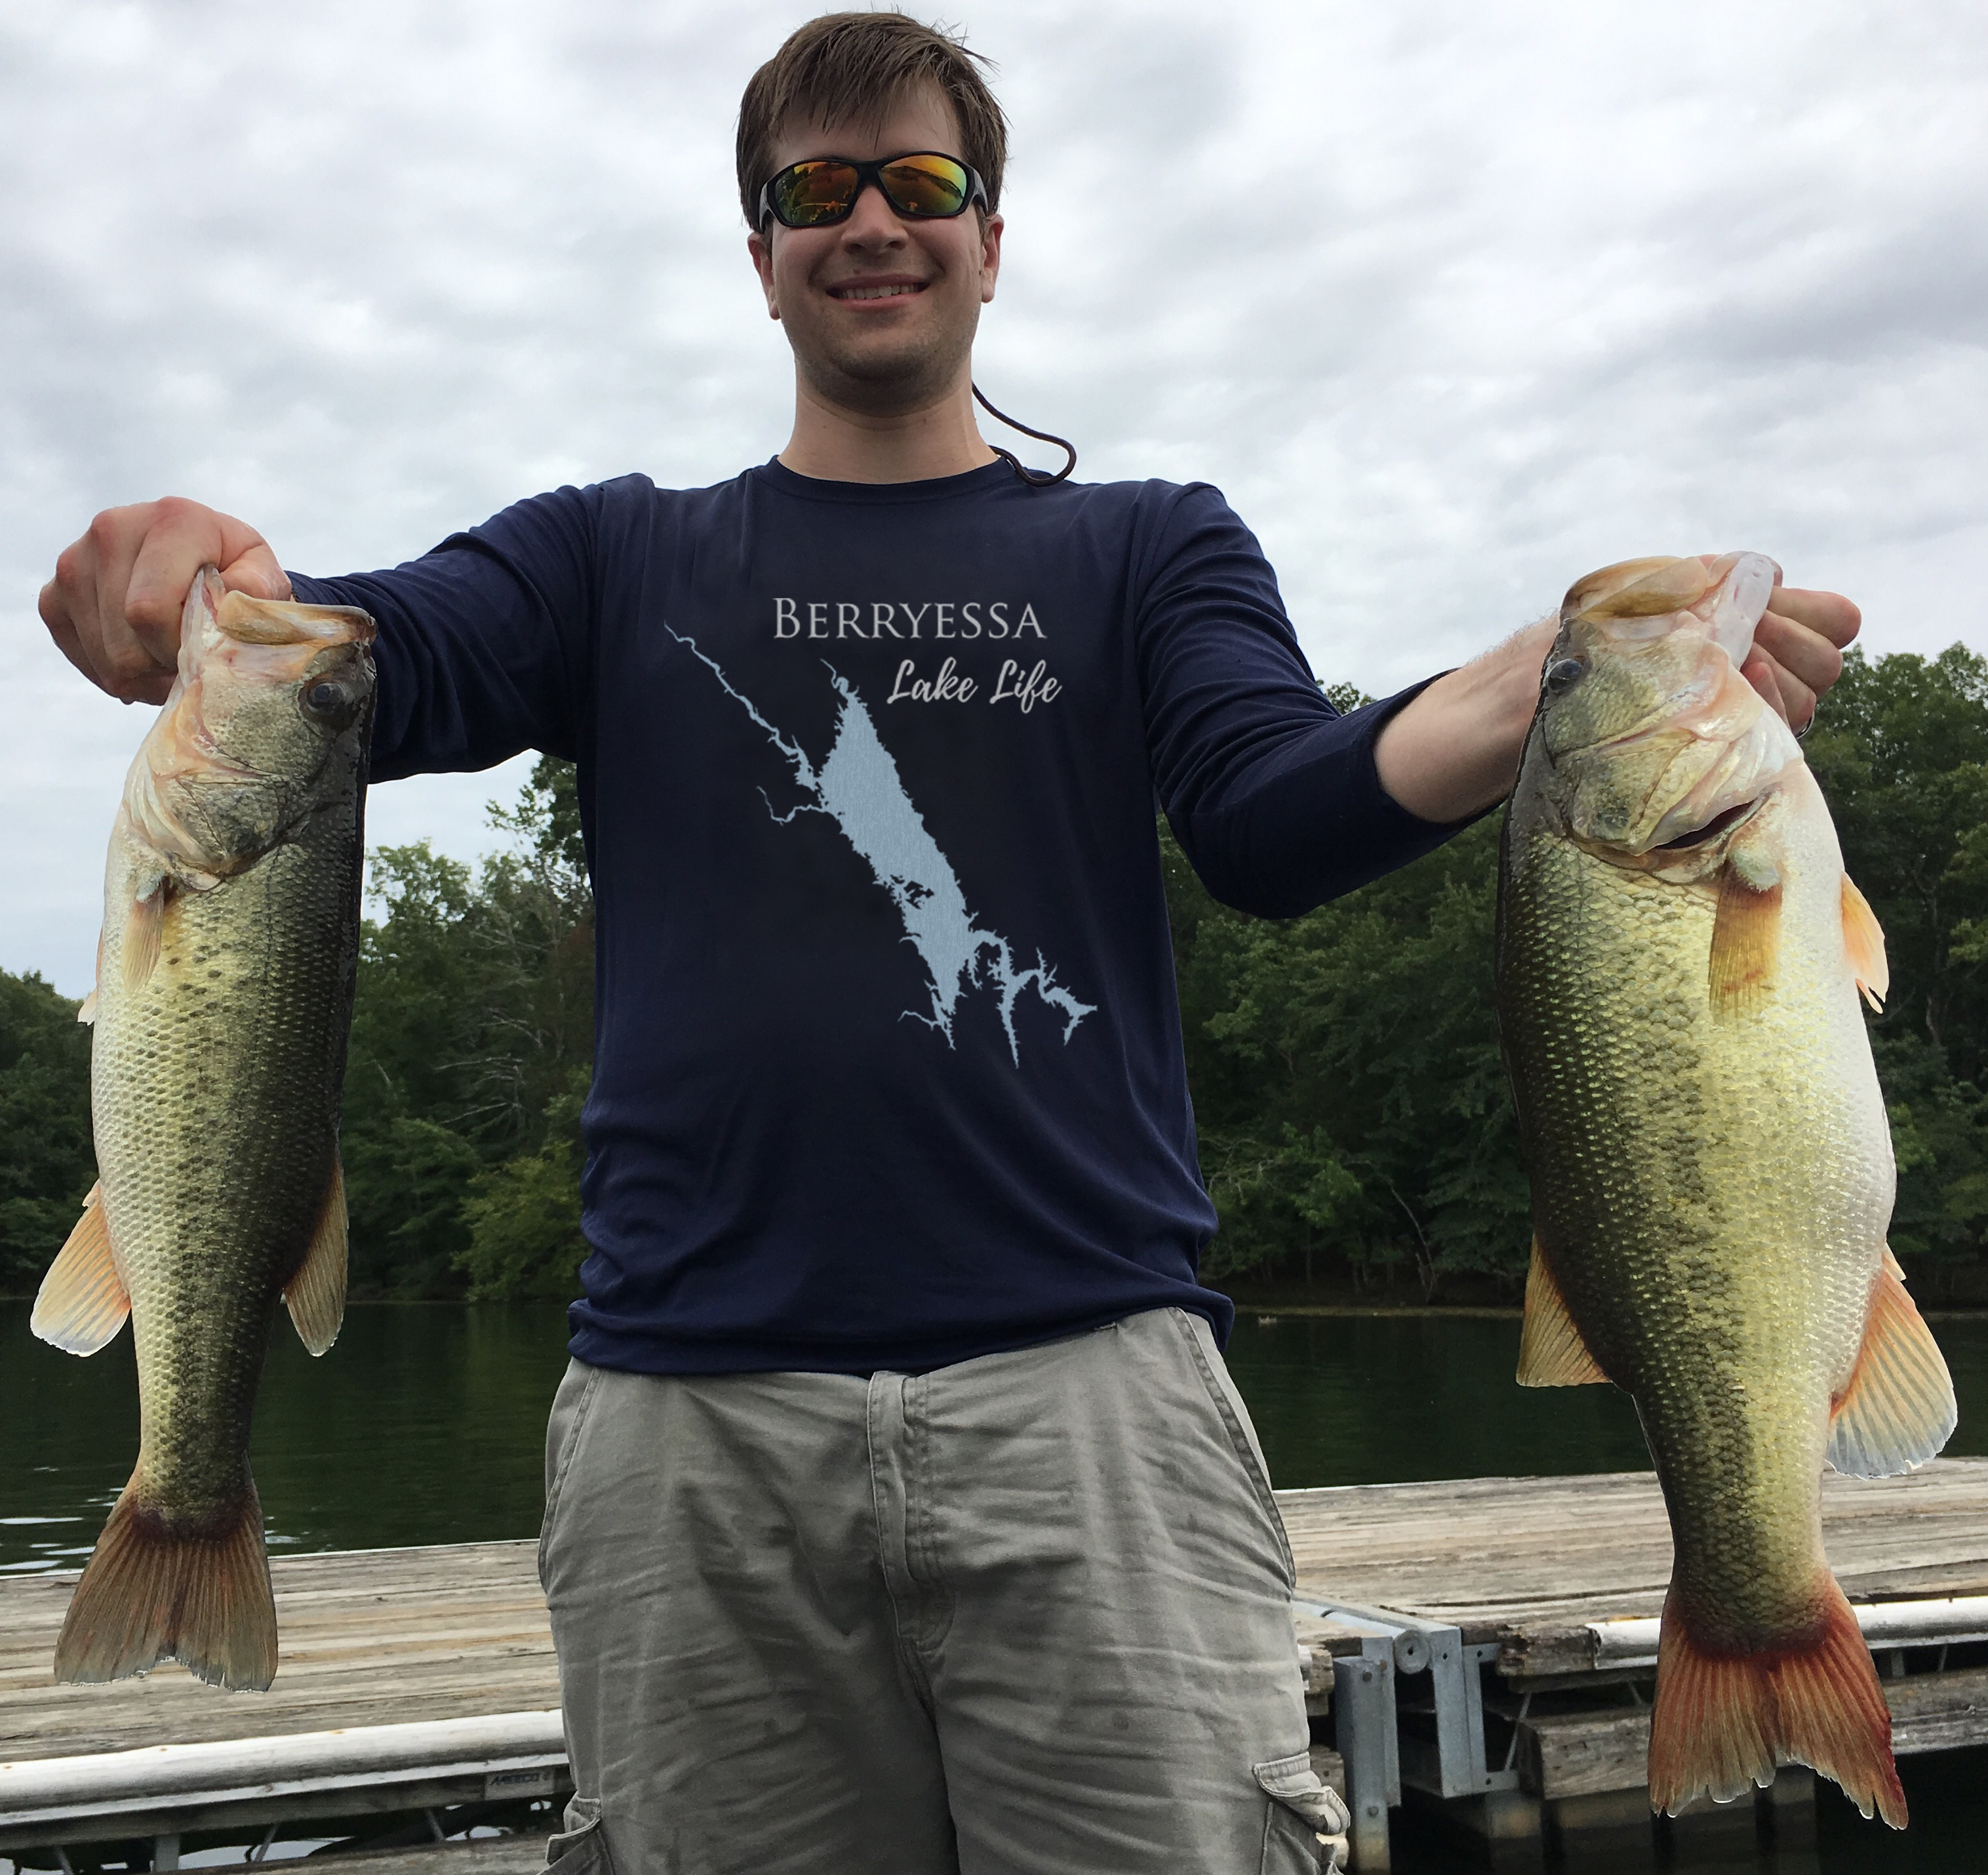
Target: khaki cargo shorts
x=1028 y=1615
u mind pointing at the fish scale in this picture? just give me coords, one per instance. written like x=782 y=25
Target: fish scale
x=1710 y=1161
x=224 y=997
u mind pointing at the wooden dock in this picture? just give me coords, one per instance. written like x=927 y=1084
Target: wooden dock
x=1456 y=1621
x=368 y=1636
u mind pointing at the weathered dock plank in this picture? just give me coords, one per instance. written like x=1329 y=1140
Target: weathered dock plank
x=1495 y=1555
x=373 y=1637
x=1581 y=1754
x=369 y=1637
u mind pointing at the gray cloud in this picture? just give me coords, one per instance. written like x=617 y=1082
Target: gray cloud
x=1454 y=302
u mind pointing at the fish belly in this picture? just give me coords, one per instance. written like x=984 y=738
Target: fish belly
x=215 y=1089
x=215 y=1085
x=1711 y=1191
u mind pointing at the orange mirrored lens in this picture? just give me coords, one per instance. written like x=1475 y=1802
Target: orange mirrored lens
x=811 y=192
x=925 y=185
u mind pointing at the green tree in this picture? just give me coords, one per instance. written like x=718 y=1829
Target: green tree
x=473 y=1022
x=1901 y=749
x=47 y=1163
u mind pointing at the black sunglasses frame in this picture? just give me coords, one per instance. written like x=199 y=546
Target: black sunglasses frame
x=868 y=173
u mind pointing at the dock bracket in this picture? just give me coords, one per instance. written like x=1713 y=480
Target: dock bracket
x=1363 y=1703
x=1378 y=1756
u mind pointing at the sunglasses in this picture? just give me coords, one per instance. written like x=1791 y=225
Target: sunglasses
x=922 y=186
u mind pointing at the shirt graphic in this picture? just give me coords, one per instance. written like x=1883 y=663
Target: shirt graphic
x=859 y=788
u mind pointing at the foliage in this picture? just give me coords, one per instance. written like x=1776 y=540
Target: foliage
x=1345 y=1064
x=472 y=1028
x=47 y=1165
x=1901 y=751
x=1351 y=1102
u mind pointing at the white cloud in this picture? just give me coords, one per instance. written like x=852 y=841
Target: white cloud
x=1455 y=301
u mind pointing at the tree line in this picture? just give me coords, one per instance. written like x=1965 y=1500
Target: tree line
x=1355 y=1123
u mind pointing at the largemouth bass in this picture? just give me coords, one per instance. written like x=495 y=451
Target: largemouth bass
x=1679 y=956
x=223 y=998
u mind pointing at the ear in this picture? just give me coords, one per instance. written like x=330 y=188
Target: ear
x=761 y=251
x=990 y=257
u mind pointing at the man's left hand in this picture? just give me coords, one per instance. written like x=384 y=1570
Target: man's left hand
x=1797 y=651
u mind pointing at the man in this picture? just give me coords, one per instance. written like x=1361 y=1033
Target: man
x=900 y=1515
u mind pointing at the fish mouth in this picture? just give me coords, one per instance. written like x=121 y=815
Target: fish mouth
x=1722 y=823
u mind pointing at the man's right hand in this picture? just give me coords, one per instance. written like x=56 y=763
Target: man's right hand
x=113 y=607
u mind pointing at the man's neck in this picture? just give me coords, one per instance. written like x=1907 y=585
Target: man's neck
x=834 y=443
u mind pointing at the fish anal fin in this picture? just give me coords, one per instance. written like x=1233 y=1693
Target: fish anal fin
x=1897 y=1408
x=1745 y=942
x=1864 y=943
x=315 y=1295
x=143 y=927
x=152 y=1592
x=1721 y=1722
x=82 y=1301
x=1551 y=1350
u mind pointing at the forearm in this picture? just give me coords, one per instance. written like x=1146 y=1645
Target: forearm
x=1454 y=750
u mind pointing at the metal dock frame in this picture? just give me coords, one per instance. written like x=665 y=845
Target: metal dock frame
x=163 y=1792
x=1367 y=1712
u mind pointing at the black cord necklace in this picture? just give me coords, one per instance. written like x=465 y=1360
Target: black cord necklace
x=1035 y=478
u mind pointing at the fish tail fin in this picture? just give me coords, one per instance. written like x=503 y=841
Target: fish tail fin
x=1723 y=1722
x=150 y=1593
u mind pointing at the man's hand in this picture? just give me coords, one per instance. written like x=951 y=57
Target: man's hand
x=1454 y=750
x=1797 y=651
x=114 y=604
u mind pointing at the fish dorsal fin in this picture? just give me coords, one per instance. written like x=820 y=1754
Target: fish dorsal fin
x=315 y=1295
x=83 y=1301
x=1746 y=941
x=1864 y=940
x=143 y=928
x=1551 y=1351
x=1898 y=1409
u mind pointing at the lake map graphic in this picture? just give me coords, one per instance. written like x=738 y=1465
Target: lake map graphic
x=859 y=788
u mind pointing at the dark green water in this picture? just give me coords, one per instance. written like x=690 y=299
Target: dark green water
x=424 y=1425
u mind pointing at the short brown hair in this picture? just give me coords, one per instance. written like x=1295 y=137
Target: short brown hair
x=856 y=65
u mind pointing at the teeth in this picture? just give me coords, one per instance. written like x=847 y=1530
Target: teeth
x=872 y=293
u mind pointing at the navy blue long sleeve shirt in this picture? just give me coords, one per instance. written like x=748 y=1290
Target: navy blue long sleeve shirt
x=888 y=1069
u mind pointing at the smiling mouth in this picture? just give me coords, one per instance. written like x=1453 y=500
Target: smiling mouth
x=896 y=290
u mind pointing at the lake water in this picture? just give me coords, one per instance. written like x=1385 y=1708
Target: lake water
x=424 y=1425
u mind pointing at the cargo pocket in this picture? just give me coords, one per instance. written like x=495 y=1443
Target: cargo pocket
x=579 y=1848
x=1305 y=1823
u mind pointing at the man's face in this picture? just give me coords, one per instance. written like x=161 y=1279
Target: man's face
x=880 y=310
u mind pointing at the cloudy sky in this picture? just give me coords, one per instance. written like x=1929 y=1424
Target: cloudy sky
x=1454 y=298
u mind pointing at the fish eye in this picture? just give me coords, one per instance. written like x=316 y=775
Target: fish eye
x=330 y=703
x=1563 y=674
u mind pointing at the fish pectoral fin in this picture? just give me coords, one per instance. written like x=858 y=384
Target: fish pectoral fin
x=143 y=926
x=315 y=1295
x=83 y=1301
x=1864 y=942
x=1551 y=1350
x=1897 y=1408
x=1746 y=941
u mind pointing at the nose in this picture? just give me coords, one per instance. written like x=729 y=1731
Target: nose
x=873 y=222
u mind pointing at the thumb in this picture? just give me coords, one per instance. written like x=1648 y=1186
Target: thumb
x=257 y=573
